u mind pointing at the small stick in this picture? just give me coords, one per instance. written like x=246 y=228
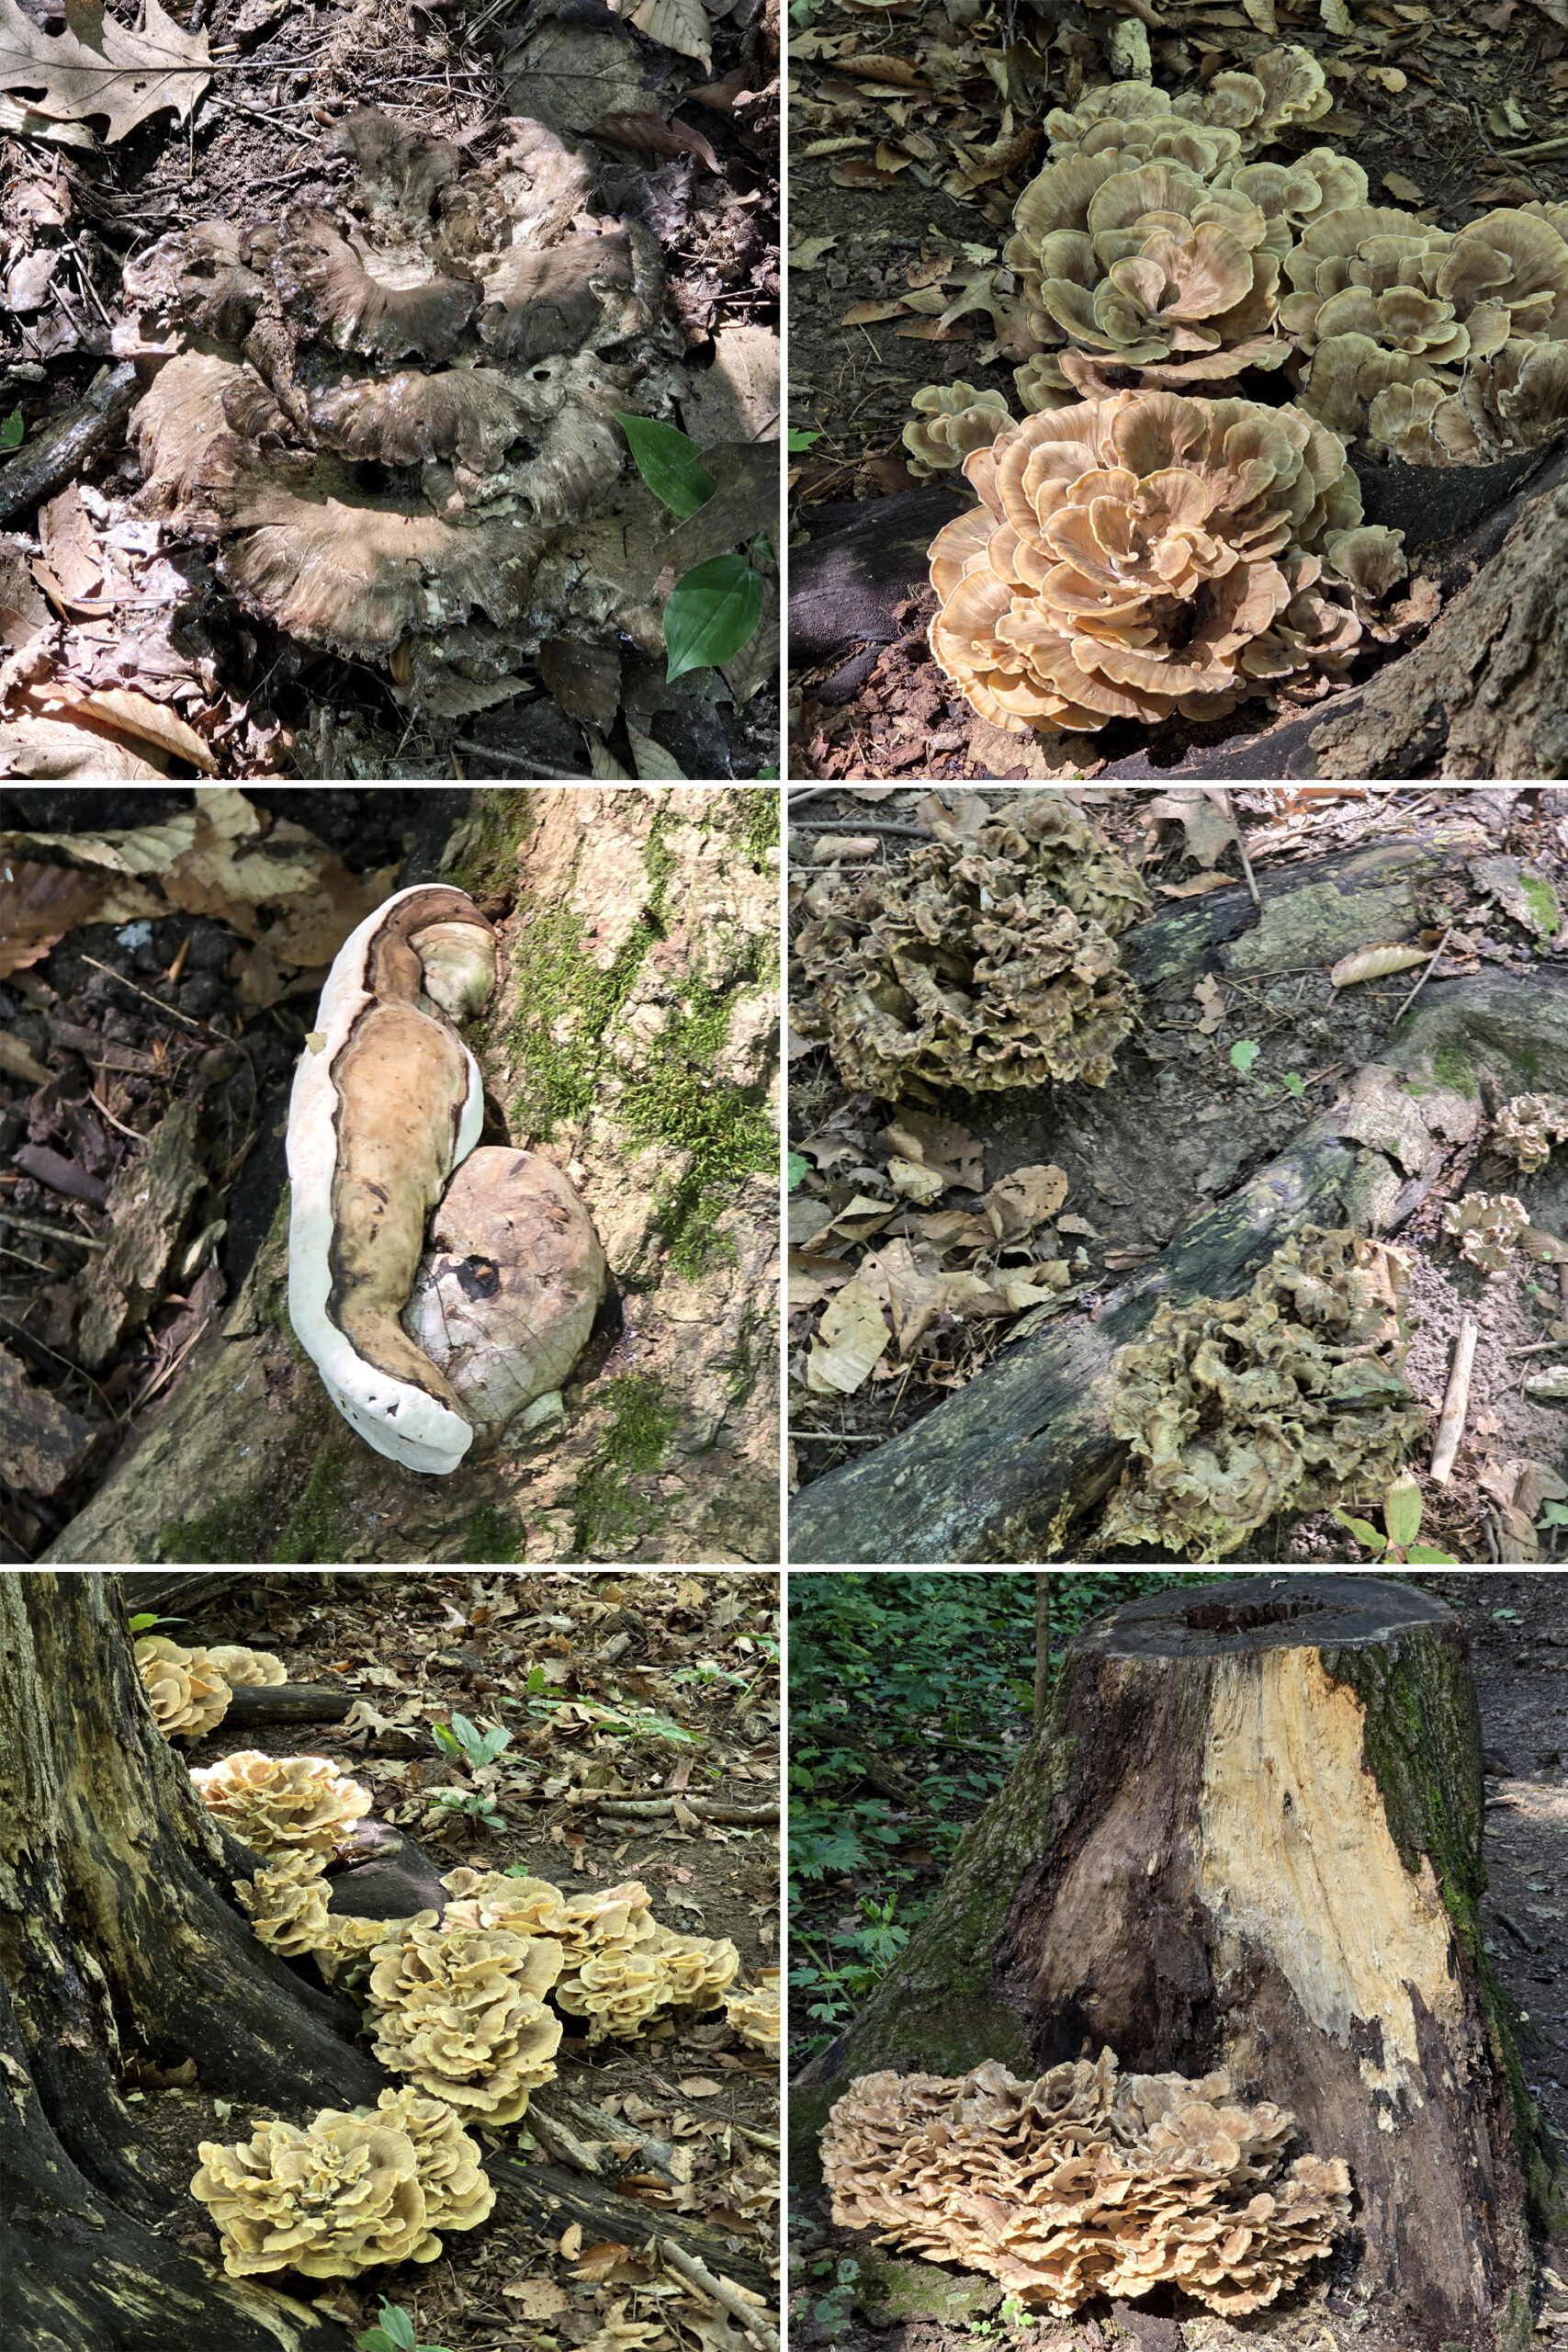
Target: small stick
x=172 y=1010
x=655 y=1808
x=48 y=1232
x=1426 y=976
x=719 y=2291
x=1451 y=1425
x=1241 y=845
x=854 y=825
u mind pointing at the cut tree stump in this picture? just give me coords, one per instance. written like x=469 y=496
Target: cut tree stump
x=1248 y=1836
x=1000 y=1470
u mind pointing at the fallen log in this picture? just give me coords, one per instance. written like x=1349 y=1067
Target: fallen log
x=1000 y=1470
x=285 y=1703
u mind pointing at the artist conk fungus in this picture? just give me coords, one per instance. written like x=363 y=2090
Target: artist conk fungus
x=460 y=2012
x=387 y=417
x=273 y=1804
x=1147 y=554
x=187 y=1693
x=754 y=2015
x=1486 y=1226
x=1527 y=1126
x=1291 y=1396
x=1085 y=2183
x=349 y=2192
x=986 y=961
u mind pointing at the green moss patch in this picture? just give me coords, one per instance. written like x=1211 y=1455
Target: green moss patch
x=488 y=867
x=237 y=1530
x=495 y=1539
x=889 y=2291
x=611 y=1512
x=321 y=1522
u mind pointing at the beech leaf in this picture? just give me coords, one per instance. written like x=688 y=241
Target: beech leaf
x=680 y=25
x=1374 y=964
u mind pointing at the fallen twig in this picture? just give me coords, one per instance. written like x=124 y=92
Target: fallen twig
x=1451 y=1425
x=1426 y=976
x=719 y=2290
x=36 y=1225
x=514 y=760
x=1241 y=845
x=615 y=1808
x=852 y=825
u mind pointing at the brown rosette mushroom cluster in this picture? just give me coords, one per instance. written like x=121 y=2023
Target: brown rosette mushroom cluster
x=287 y=1904
x=620 y=1966
x=1526 y=1128
x=950 y=420
x=187 y=1693
x=276 y=1804
x=1282 y=89
x=753 y=2013
x=250 y=1670
x=1293 y=1396
x=1446 y=347
x=988 y=960
x=1486 y=1226
x=461 y=2012
x=1147 y=554
x=382 y=416
x=346 y=2193
x=1085 y=2183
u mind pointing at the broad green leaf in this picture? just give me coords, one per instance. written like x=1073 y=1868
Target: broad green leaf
x=798 y=1170
x=394 y=2323
x=1402 y=1512
x=1244 y=1053
x=1293 y=1083
x=1423 y=1556
x=799 y=440
x=11 y=431
x=711 y=613
x=464 y=1729
x=1363 y=1532
x=668 y=463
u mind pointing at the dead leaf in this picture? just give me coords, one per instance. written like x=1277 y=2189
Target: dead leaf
x=1197 y=885
x=1210 y=998
x=852 y=1336
x=1337 y=16
x=866 y=314
x=52 y=746
x=913 y=1183
x=1374 y=964
x=1077 y=1224
x=572 y=2236
x=808 y=253
x=145 y=721
x=940 y=1144
x=656 y=137
x=860 y=171
x=98 y=67
x=536 y=2298
x=680 y=25
x=809 y=1278
x=70 y=545
x=1403 y=190
x=1025 y=1199
x=1201 y=813
x=698 y=2087
x=39 y=904
x=864 y=1218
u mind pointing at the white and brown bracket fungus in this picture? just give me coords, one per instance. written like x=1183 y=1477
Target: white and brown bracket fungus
x=1085 y=2183
x=986 y=961
x=1293 y=1396
x=280 y=1804
x=386 y=417
x=386 y=1106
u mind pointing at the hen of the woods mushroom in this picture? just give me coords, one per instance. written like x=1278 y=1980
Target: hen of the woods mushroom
x=188 y=1691
x=988 y=960
x=393 y=421
x=1292 y=1395
x=1086 y=2182
x=1178 y=547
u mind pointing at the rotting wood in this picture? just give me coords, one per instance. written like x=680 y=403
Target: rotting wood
x=1248 y=1836
x=285 y=1703
x=1000 y=1470
x=551 y=2198
x=1451 y=1426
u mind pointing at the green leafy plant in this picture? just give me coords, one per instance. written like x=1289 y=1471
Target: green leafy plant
x=798 y=440
x=11 y=431
x=393 y=2332
x=1553 y=1515
x=465 y=1739
x=1014 y=2314
x=1402 y=1518
x=712 y=612
x=145 y=1620
x=799 y=1170
x=670 y=463
x=641 y=1722
x=830 y=2307
x=1244 y=1053
x=1295 y=1083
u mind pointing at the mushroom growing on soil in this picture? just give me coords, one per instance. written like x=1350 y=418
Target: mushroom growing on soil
x=385 y=416
x=1528 y=1126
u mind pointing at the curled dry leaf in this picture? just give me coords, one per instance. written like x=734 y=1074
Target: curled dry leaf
x=1210 y=998
x=1019 y=1202
x=1374 y=964
x=942 y=1146
x=654 y=136
x=852 y=1337
x=1196 y=889
x=39 y=904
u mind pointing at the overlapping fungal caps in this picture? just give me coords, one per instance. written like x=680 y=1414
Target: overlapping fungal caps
x=381 y=415
x=280 y=1805
x=383 y=1109
x=256 y=1670
x=950 y=420
x=620 y=1966
x=753 y=2012
x=1487 y=1226
x=1444 y=347
x=1291 y=1397
x=1147 y=554
x=186 y=1691
x=460 y=2012
x=1086 y=2182
x=287 y=1903
x=1527 y=1126
x=988 y=960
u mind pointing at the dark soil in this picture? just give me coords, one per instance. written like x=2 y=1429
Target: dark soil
x=1518 y=1628
x=1177 y=1129
x=1443 y=132
x=420 y=1647
x=284 y=71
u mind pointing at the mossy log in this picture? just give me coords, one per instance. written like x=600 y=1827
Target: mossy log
x=1247 y=1836
x=1000 y=1470
x=117 y=1935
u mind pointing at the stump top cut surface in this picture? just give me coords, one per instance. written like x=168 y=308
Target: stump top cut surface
x=1263 y=1612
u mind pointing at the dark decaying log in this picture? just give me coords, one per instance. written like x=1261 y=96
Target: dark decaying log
x=285 y=1702
x=119 y=1935
x=1248 y=1836
x=1000 y=1470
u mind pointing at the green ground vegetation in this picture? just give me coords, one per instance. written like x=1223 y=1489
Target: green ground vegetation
x=924 y=1680
x=611 y=1512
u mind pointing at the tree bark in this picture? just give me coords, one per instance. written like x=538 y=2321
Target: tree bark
x=1485 y=694
x=117 y=1935
x=1248 y=1836
x=1000 y=1470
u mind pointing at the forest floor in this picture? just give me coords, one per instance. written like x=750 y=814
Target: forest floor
x=632 y=1685
x=145 y=615
x=1517 y=1627
x=1188 y=1115
x=916 y=129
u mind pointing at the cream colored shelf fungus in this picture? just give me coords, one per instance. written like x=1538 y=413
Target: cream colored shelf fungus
x=387 y=1101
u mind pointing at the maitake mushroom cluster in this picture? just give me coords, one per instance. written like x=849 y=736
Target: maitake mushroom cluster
x=1527 y=1126
x=346 y=2192
x=1292 y=1395
x=461 y=2011
x=988 y=960
x=753 y=2012
x=1146 y=554
x=277 y=1804
x=186 y=1691
x=381 y=415
x=1085 y=2183
x=1486 y=1226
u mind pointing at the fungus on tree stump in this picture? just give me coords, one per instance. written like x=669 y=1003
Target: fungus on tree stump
x=1247 y=1837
